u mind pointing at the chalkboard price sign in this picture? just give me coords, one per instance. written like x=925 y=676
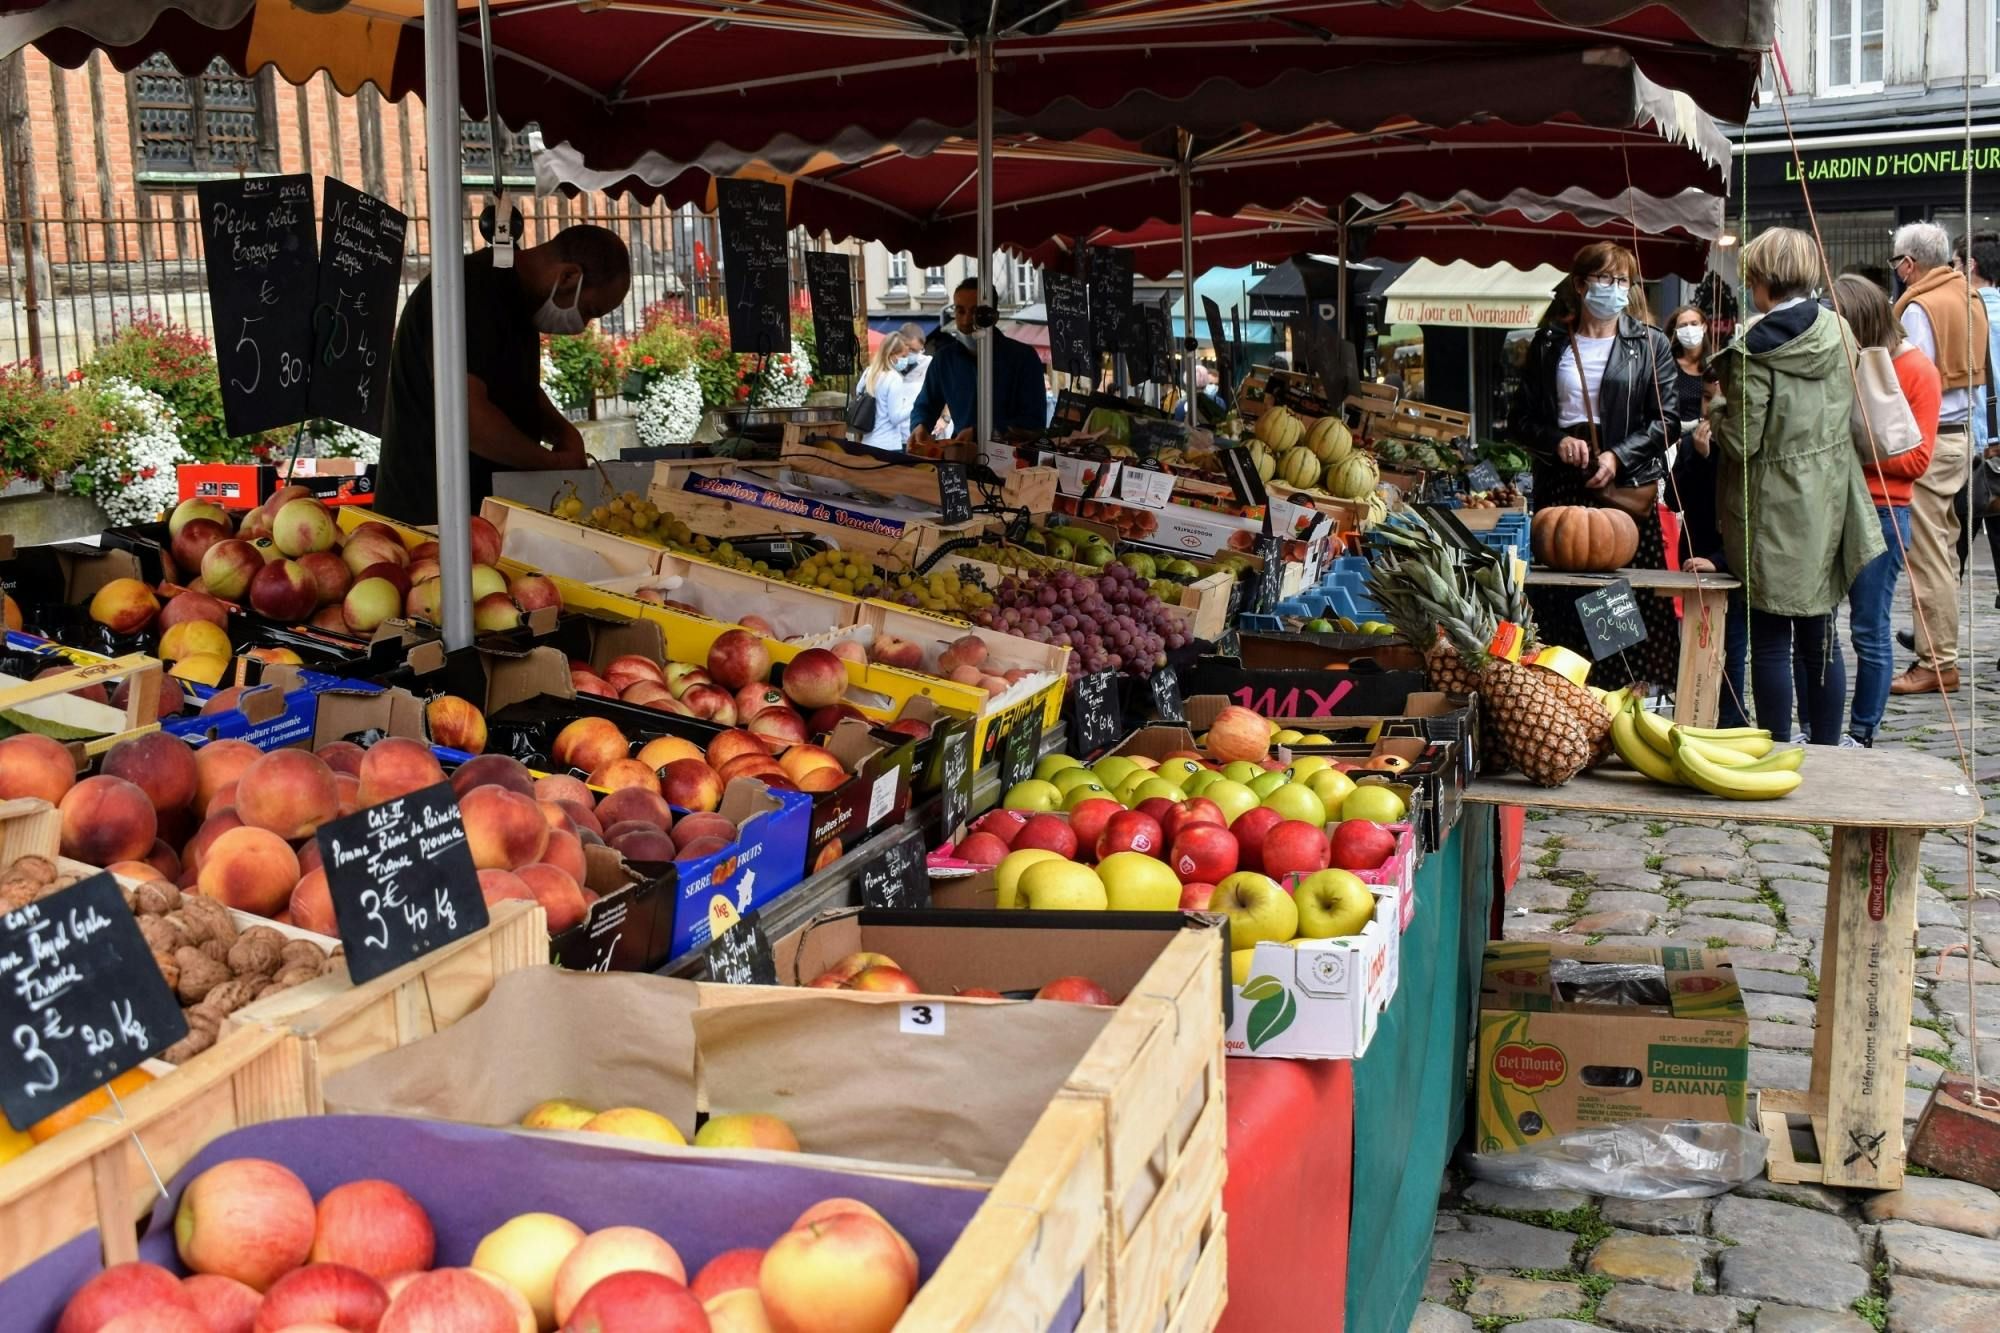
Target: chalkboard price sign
x=1018 y=747
x=739 y=954
x=354 y=314
x=402 y=880
x=756 y=269
x=954 y=494
x=1110 y=275
x=1225 y=353
x=954 y=760
x=898 y=877
x=1483 y=477
x=1140 y=349
x=257 y=239
x=81 y=1001
x=1094 y=715
x=1611 y=619
x=1167 y=705
x=1243 y=476
x=1270 y=579
x=1070 y=347
x=830 y=283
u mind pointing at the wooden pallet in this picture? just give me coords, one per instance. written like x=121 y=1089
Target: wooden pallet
x=95 y=1176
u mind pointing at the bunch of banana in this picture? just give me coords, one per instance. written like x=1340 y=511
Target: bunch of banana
x=1736 y=763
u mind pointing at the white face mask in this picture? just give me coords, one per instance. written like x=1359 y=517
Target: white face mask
x=1689 y=335
x=557 y=319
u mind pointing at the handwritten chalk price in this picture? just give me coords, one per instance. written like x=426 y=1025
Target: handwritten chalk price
x=402 y=880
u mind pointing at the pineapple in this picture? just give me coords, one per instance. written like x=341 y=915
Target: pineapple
x=1534 y=723
x=1590 y=714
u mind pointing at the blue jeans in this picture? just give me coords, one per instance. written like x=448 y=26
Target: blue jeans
x=1735 y=650
x=1797 y=652
x=1869 y=603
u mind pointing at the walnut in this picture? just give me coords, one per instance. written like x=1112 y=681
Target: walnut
x=156 y=898
x=232 y=995
x=162 y=935
x=16 y=893
x=62 y=882
x=188 y=1047
x=169 y=969
x=200 y=974
x=213 y=916
x=38 y=868
x=299 y=953
x=265 y=986
x=256 y=952
x=297 y=974
x=193 y=930
x=216 y=950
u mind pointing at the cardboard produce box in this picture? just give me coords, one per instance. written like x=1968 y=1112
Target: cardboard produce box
x=1573 y=1037
x=1320 y=999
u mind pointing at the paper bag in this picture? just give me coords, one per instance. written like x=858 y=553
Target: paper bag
x=931 y=1083
x=604 y=1039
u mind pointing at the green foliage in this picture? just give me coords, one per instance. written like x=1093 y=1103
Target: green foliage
x=176 y=363
x=588 y=365
x=29 y=405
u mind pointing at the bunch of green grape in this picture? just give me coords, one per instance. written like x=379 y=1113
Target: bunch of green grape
x=837 y=571
x=941 y=590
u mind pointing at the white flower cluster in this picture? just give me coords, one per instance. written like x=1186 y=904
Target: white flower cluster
x=785 y=382
x=549 y=386
x=135 y=478
x=671 y=411
x=340 y=441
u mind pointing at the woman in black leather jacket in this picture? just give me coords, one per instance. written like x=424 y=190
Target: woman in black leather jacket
x=1598 y=408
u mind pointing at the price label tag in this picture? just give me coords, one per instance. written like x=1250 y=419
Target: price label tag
x=954 y=763
x=1483 y=476
x=954 y=494
x=923 y=1020
x=1094 y=712
x=1017 y=748
x=81 y=1001
x=402 y=880
x=354 y=315
x=1611 y=619
x=1145 y=486
x=1166 y=686
x=898 y=878
x=738 y=953
x=257 y=238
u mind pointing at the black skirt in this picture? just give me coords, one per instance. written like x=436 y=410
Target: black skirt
x=1657 y=660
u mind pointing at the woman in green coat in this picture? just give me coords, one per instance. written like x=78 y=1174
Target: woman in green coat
x=1792 y=504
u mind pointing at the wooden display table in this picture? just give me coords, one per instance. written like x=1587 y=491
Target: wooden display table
x=1879 y=803
x=1704 y=606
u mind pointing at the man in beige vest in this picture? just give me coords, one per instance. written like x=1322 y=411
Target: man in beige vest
x=1940 y=314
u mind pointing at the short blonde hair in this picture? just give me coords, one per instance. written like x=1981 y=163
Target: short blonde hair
x=1785 y=260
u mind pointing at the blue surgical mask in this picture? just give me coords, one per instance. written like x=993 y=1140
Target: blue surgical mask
x=905 y=364
x=1606 y=300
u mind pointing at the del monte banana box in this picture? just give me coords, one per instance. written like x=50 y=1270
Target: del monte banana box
x=1573 y=1037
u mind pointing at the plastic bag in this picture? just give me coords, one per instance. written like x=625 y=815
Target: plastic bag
x=1639 y=1159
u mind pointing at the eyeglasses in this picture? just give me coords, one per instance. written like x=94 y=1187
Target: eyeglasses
x=1610 y=280
x=1898 y=259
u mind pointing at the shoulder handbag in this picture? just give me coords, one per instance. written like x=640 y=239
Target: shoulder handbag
x=861 y=408
x=1638 y=501
x=1882 y=423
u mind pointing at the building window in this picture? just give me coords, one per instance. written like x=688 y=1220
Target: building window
x=1853 y=46
x=899 y=275
x=933 y=282
x=213 y=123
x=1027 y=284
x=475 y=137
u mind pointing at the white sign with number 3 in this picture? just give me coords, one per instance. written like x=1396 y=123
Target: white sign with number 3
x=924 y=1019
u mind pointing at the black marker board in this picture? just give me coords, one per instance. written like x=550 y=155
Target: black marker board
x=1166 y=687
x=1483 y=477
x=81 y=1000
x=756 y=269
x=257 y=240
x=1141 y=353
x=954 y=494
x=1218 y=338
x=1611 y=619
x=898 y=877
x=1270 y=579
x=1162 y=321
x=1094 y=721
x=954 y=766
x=1244 y=479
x=1110 y=276
x=1069 y=326
x=1018 y=748
x=402 y=880
x=830 y=284
x=740 y=954
x=354 y=313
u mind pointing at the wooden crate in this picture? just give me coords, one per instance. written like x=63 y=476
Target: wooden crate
x=339 y=1024
x=94 y=1174
x=1032 y=488
x=901 y=542
x=101 y=725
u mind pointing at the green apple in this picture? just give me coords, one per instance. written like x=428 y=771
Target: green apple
x=1136 y=882
x=1312 y=739
x=1178 y=771
x=1373 y=801
x=1240 y=962
x=1267 y=782
x=1155 y=786
x=1007 y=875
x=1127 y=789
x=1331 y=786
x=1084 y=791
x=1032 y=794
x=1258 y=910
x=1232 y=798
x=1240 y=770
x=1053 y=764
x=1332 y=903
x=1063 y=886
x=1198 y=783
x=1307 y=765
x=1071 y=778
x=1295 y=800
x=1111 y=770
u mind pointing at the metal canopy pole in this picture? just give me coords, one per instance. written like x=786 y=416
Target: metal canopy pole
x=1340 y=281
x=448 y=318
x=984 y=346
x=1189 y=343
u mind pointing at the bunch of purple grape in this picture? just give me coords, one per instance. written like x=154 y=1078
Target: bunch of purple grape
x=1111 y=621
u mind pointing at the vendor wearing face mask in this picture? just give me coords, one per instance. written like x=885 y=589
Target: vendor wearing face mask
x=557 y=287
x=952 y=382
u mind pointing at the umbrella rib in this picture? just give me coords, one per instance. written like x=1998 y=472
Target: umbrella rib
x=803 y=76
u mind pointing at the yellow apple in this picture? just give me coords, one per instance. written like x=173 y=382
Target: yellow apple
x=1307 y=765
x=1331 y=786
x=1112 y=769
x=1240 y=963
x=525 y=1252
x=1332 y=903
x=1050 y=765
x=1178 y=771
x=633 y=1122
x=1266 y=783
x=1136 y=882
x=1160 y=787
x=1295 y=800
x=559 y=1113
x=1257 y=908
x=1032 y=794
x=1240 y=770
x=1373 y=801
x=1070 y=778
x=1061 y=885
x=1007 y=875
x=1232 y=798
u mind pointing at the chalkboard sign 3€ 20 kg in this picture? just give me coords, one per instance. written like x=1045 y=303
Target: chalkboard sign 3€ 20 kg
x=402 y=880
x=262 y=265
x=1070 y=349
x=81 y=1000
x=1094 y=712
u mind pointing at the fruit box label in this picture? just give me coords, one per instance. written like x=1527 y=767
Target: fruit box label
x=768 y=858
x=797 y=506
x=1322 y=1000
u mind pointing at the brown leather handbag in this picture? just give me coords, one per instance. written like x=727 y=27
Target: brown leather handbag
x=1638 y=501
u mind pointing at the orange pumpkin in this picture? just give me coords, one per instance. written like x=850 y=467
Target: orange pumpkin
x=1583 y=538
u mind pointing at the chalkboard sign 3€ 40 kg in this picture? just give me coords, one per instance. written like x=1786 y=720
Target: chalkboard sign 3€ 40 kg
x=81 y=1000
x=1611 y=619
x=954 y=773
x=354 y=319
x=262 y=264
x=402 y=880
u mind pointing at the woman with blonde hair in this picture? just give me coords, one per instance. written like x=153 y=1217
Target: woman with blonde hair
x=893 y=380
x=1793 y=506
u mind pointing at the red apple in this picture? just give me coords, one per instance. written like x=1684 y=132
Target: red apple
x=982 y=849
x=323 y=1294
x=884 y=979
x=844 y=1270
x=1131 y=831
x=225 y=1304
x=1293 y=847
x=284 y=590
x=1361 y=844
x=1088 y=819
x=245 y=1218
x=1203 y=853
x=739 y=657
x=814 y=679
x=1158 y=807
x=118 y=1290
x=726 y=1272
x=1049 y=833
x=1194 y=810
x=373 y=1226
x=636 y=1301
x=1075 y=990
x=755 y=697
x=1195 y=897
x=532 y=592
x=911 y=726
x=449 y=1300
x=1002 y=824
x=1250 y=829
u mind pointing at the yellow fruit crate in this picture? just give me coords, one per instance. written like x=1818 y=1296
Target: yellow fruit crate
x=731 y=509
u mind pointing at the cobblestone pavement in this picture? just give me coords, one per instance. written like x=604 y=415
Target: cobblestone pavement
x=1774 y=1258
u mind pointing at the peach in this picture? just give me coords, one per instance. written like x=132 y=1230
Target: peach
x=907 y=654
x=191 y=605
x=371 y=544
x=730 y=744
x=188 y=510
x=342 y=756
x=612 y=1250
x=159 y=764
x=780 y=727
x=696 y=848
x=503 y=828
x=704 y=824
x=192 y=638
x=225 y=1304
x=493 y=770
x=487 y=582
x=172 y=694
x=449 y=1300
x=495 y=613
x=525 y=1252
x=635 y=667
x=106 y=819
x=589 y=682
x=497 y=886
x=910 y=726
x=589 y=743
x=565 y=853
x=322 y=1293
x=94 y=692
x=563 y=787
x=690 y=784
x=647 y=694
x=124 y=606
x=164 y=860
x=847 y=1270
x=456 y=724
x=755 y=697
x=227 y=568
x=627 y=1299
x=826 y=719
x=275 y=656
x=118 y=1290
x=255 y=524
x=251 y=869
x=393 y=574
x=204 y=837
x=847 y=650
x=533 y=592
x=746 y=1131
x=732 y=1270
x=225 y=799
x=312 y=903
x=220 y=763
x=309 y=855
x=814 y=679
x=422 y=571
x=369 y=603
x=558 y=893
x=245 y=1218
x=33 y=765
x=635 y=802
x=684 y=676
x=625 y=773
x=803 y=759
x=737 y=658
x=373 y=1226
x=583 y=817
x=289 y=792
x=425 y=600
x=303 y=526
x=644 y=844
x=191 y=543
x=350 y=792
x=225 y=700
x=427 y=551
x=485 y=542
x=751 y=766
x=283 y=590
x=712 y=703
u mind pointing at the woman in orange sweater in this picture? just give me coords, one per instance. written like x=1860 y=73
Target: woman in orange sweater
x=1873 y=593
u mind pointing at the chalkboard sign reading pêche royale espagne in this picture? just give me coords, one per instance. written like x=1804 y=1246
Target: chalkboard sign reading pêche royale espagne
x=830 y=284
x=354 y=315
x=1069 y=326
x=257 y=241
x=756 y=266
x=402 y=880
x=954 y=494
x=1167 y=704
x=81 y=1000
x=1611 y=619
